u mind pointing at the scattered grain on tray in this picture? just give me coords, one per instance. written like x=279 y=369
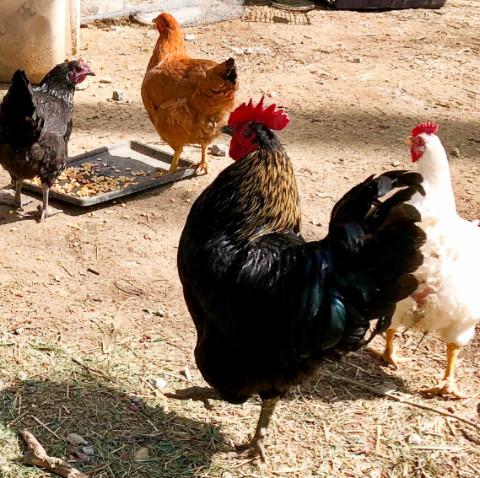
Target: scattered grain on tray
x=11 y=212
x=40 y=258
x=13 y=229
x=86 y=181
x=17 y=252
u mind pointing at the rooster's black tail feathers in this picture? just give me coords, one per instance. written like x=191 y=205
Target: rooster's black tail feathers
x=376 y=247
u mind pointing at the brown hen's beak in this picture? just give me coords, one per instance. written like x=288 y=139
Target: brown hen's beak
x=409 y=140
x=227 y=130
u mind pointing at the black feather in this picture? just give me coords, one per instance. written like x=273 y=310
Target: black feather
x=268 y=305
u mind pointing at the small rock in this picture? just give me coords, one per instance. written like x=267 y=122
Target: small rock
x=118 y=95
x=396 y=163
x=248 y=51
x=219 y=149
x=456 y=152
x=237 y=51
x=388 y=387
x=75 y=439
x=141 y=454
x=190 y=37
x=357 y=59
x=106 y=79
x=22 y=376
x=271 y=94
x=82 y=86
x=19 y=331
x=227 y=474
x=88 y=450
x=158 y=383
x=414 y=439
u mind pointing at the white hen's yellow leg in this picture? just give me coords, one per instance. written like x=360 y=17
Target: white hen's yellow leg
x=389 y=355
x=447 y=385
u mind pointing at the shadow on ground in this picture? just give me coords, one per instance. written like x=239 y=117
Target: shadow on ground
x=116 y=424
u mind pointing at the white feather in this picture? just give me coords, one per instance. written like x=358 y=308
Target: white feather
x=448 y=297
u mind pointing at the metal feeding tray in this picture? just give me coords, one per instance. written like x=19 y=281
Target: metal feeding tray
x=137 y=162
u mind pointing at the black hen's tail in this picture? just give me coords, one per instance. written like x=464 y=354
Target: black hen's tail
x=20 y=124
x=375 y=248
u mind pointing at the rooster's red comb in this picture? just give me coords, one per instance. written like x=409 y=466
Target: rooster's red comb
x=430 y=128
x=271 y=117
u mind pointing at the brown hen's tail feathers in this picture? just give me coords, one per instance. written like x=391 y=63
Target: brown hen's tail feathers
x=227 y=70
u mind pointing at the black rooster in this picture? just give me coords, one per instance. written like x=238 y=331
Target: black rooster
x=267 y=305
x=35 y=126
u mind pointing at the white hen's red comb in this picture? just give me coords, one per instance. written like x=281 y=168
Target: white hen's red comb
x=430 y=128
x=271 y=117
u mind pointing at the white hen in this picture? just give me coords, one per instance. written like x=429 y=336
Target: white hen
x=448 y=298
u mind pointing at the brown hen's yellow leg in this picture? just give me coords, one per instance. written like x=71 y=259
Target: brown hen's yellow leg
x=447 y=385
x=176 y=157
x=202 y=165
x=389 y=355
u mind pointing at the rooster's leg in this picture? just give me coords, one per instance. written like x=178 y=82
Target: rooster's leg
x=15 y=201
x=256 y=447
x=447 y=385
x=196 y=393
x=389 y=355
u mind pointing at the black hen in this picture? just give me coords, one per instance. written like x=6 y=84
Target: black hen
x=267 y=305
x=35 y=126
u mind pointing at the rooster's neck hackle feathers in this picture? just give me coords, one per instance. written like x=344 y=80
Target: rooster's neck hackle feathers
x=271 y=203
x=256 y=195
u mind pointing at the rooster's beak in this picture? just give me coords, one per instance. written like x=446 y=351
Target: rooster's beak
x=409 y=140
x=227 y=130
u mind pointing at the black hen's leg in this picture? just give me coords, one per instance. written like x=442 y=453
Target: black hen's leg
x=44 y=211
x=15 y=201
x=256 y=447
x=196 y=393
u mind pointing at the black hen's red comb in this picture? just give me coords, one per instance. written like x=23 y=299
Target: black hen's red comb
x=430 y=128
x=271 y=117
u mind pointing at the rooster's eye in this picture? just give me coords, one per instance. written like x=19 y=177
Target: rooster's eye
x=248 y=133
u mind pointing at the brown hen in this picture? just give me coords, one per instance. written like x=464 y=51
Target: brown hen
x=186 y=99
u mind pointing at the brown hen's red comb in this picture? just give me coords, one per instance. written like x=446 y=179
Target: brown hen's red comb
x=271 y=117
x=430 y=128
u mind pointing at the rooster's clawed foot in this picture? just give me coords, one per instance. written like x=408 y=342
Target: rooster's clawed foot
x=196 y=393
x=254 y=449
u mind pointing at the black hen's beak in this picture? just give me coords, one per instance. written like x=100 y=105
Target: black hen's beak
x=227 y=130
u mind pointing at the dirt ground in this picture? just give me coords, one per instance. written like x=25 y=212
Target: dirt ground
x=354 y=85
